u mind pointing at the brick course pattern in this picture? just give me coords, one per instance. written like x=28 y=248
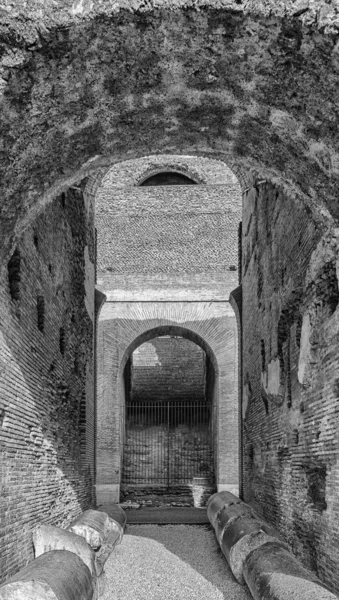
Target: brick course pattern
x=169 y=229
x=46 y=383
x=176 y=246
x=131 y=173
x=168 y=369
x=290 y=366
x=122 y=327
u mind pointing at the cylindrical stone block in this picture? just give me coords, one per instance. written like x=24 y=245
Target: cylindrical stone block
x=237 y=528
x=101 y=532
x=243 y=535
x=230 y=513
x=48 y=537
x=217 y=501
x=95 y=526
x=56 y=575
x=115 y=512
x=273 y=573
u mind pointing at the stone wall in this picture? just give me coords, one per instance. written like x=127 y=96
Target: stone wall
x=166 y=369
x=46 y=382
x=290 y=365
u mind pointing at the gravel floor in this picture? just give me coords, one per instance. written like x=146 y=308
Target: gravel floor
x=170 y=562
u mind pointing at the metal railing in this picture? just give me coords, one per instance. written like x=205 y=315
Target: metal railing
x=167 y=443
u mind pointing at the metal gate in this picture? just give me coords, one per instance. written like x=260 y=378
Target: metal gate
x=167 y=443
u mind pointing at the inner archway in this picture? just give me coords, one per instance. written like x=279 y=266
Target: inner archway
x=168 y=443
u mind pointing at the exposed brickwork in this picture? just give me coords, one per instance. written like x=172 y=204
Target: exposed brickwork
x=168 y=442
x=168 y=369
x=290 y=361
x=84 y=85
x=177 y=246
x=145 y=458
x=170 y=229
x=46 y=380
x=123 y=327
x=201 y=170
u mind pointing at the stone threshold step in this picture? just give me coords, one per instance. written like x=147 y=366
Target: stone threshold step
x=167 y=515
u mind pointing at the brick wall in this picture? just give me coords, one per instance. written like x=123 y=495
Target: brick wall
x=122 y=327
x=170 y=229
x=46 y=381
x=168 y=369
x=290 y=366
x=167 y=257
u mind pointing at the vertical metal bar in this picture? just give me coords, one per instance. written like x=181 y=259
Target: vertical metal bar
x=141 y=414
x=145 y=420
x=137 y=419
x=168 y=448
x=145 y=442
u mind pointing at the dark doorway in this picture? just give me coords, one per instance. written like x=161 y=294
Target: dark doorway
x=168 y=178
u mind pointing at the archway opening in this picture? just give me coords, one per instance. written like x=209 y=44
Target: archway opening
x=168 y=453
x=168 y=178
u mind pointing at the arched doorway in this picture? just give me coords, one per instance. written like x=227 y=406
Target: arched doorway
x=168 y=443
x=166 y=257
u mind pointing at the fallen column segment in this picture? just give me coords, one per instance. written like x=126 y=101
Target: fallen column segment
x=55 y=575
x=101 y=532
x=47 y=538
x=69 y=563
x=257 y=554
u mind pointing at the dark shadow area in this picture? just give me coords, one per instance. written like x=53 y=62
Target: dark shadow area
x=168 y=178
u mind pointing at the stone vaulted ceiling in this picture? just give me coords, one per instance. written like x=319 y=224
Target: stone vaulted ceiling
x=254 y=84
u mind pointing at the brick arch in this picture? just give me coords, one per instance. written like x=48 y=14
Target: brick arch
x=101 y=167
x=170 y=168
x=170 y=330
x=122 y=327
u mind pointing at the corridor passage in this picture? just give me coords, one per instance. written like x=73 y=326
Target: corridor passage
x=170 y=562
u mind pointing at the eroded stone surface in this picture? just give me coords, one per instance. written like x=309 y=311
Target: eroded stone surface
x=246 y=88
x=55 y=575
x=47 y=538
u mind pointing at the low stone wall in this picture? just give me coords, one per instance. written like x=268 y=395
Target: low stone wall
x=257 y=554
x=69 y=564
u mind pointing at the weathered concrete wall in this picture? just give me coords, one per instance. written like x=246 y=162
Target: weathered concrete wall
x=290 y=365
x=124 y=326
x=168 y=369
x=46 y=383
